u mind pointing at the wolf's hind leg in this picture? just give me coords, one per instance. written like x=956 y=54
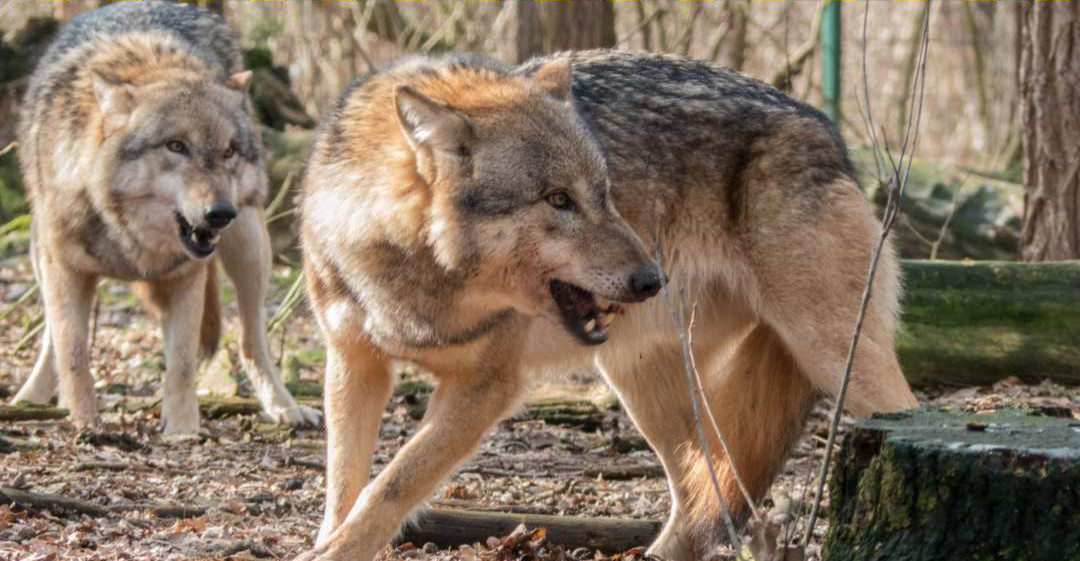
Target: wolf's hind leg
x=245 y=253
x=812 y=304
x=760 y=402
x=40 y=386
x=355 y=391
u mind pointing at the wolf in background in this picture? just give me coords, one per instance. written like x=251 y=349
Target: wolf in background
x=142 y=161
x=491 y=224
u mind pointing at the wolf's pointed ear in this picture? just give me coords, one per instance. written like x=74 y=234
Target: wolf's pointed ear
x=428 y=122
x=240 y=81
x=113 y=95
x=554 y=78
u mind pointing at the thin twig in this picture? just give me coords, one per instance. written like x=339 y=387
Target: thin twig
x=293 y=297
x=281 y=215
x=896 y=193
x=35 y=327
x=640 y=26
x=695 y=391
x=279 y=198
x=700 y=388
x=30 y=292
x=10 y=146
x=948 y=219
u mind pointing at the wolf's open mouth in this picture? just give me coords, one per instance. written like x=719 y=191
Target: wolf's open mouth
x=581 y=314
x=198 y=241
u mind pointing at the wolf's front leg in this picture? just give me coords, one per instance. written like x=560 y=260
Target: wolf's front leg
x=68 y=296
x=461 y=411
x=355 y=391
x=245 y=253
x=181 y=302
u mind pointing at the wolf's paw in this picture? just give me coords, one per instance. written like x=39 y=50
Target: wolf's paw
x=35 y=391
x=180 y=428
x=295 y=416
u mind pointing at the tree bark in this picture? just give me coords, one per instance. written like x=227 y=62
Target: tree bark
x=935 y=485
x=518 y=33
x=1050 y=89
x=579 y=24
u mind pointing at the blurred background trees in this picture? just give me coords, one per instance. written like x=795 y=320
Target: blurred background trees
x=992 y=95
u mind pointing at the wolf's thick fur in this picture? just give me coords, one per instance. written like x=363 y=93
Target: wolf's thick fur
x=135 y=125
x=436 y=230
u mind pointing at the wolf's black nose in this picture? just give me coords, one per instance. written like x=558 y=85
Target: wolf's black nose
x=218 y=215
x=646 y=281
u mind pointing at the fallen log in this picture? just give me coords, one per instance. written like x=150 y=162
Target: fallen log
x=44 y=501
x=451 y=528
x=30 y=412
x=937 y=484
x=973 y=323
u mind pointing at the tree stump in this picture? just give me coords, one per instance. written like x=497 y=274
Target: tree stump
x=942 y=485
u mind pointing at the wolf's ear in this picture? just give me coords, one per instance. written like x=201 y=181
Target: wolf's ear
x=113 y=95
x=554 y=78
x=240 y=81
x=428 y=122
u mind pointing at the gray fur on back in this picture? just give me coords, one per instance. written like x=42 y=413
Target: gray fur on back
x=206 y=35
x=209 y=37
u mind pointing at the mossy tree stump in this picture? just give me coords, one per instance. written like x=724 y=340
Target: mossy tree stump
x=941 y=485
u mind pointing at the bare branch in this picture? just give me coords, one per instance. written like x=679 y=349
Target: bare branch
x=896 y=193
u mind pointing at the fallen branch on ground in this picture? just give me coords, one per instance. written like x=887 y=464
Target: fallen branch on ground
x=30 y=412
x=444 y=527
x=451 y=528
x=50 y=502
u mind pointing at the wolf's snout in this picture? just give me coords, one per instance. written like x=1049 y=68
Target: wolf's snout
x=219 y=215
x=646 y=281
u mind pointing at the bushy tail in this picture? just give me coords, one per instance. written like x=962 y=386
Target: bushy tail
x=210 y=330
x=761 y=401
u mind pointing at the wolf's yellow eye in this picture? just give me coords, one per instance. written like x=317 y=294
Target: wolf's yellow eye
x=230 y=152
x=176 y=146
x=560 y=200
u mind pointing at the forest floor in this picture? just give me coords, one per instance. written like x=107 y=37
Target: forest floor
x=247 y=490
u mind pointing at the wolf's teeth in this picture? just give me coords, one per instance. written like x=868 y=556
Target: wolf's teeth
x=606 y=319
x=590 y=325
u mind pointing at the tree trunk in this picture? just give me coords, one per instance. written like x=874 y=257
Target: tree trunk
x=940 y=485
x=1050 y=82
x=518 y=34
x=580 y=24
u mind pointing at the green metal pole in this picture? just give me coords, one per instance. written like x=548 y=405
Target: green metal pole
x=830 y=60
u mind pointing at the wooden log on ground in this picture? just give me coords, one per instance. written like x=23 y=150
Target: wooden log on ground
x=937 y=485
x=451 y=528
x=44 y=501
x=30 y=412
x=973 y=323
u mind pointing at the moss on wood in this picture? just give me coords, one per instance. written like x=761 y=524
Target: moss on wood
x=937 y=485
x=970 y=323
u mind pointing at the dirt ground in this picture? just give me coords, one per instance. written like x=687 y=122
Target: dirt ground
x=249 y=490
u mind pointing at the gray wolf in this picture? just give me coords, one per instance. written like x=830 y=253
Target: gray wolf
x=143 y=163
x=491 y=223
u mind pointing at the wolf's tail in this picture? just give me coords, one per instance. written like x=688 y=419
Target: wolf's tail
x=210 y=330
x=761 y=401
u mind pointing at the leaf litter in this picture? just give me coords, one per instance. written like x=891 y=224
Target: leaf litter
x=246 y=490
